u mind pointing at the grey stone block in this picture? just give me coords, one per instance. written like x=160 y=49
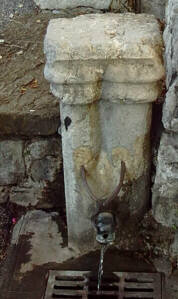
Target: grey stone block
x=165 y=191
x=44 y=239
x=170 y=108
x=12 y=168
x=43 y=159
x=155 y=7
x=42 y=185
x=62 y=4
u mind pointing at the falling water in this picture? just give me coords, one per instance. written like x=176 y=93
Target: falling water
x=100 y=270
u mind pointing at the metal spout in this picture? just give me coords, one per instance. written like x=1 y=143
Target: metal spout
x=105 y=224
x=104 y=221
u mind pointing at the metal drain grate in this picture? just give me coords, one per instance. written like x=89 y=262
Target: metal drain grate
x=82 y=284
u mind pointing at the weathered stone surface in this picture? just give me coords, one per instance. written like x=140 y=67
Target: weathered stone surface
x=4 y=194
x=96 y=67
x=174 y=247
x=42 y=185
x=163 y=265
x=12 y=168
x=165 y=191
x=45 y=243
x=170 y=112
x=172 y=286
x=27 y=116
x=100 y=148
x=26 y=105
x=43 y=159
x=110 y=41
x=27 y=194
x=79 y=58
x=171 y=41
x=155 y=7
x=57 y=4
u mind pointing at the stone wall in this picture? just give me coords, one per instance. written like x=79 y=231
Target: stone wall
x=165 y=190
x=155 y=7
x=119 y=5
x=30 y=148
x=30 y=172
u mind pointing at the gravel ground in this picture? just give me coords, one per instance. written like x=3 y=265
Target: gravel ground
x=10 y=8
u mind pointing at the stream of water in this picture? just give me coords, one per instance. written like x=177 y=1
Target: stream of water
x=100 y=270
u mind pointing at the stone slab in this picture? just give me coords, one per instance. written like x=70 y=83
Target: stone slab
x=62 y=4
x=26 y=115
x=43 y=232
x=27 y=108
x=118 y=36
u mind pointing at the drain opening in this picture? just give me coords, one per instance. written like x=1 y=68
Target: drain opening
x=83 y=285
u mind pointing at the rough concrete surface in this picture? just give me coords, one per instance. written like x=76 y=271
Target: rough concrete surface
x=27 y=107
x=10 y=8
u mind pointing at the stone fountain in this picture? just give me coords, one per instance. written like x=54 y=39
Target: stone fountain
x=106 y=70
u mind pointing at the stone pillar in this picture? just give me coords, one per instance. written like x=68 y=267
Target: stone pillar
x=106 y=71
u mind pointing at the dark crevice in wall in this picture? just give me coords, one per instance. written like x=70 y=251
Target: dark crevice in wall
x=156 y=132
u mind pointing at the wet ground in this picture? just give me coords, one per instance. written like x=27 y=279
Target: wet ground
x=36 y=250
x=33 y=284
